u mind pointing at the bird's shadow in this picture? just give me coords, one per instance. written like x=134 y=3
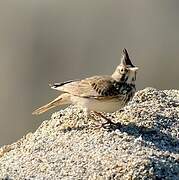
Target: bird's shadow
x=164 y=167
x=156 y=138
x=153 y=136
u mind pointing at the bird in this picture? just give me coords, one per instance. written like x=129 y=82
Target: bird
x=98 y=94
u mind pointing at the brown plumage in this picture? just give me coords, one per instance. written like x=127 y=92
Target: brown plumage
x=98 y=93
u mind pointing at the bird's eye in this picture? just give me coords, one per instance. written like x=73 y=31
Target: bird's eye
x=122 y=70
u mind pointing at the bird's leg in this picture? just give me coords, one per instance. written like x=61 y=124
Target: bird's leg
x=88 y=115
x=108 y=121
x=92 y=117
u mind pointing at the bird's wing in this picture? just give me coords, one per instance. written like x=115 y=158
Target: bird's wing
x=94 y=87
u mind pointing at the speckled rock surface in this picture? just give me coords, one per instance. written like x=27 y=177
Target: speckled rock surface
x=144 y=146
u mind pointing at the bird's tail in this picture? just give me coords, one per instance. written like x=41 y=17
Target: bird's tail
x=60 y=100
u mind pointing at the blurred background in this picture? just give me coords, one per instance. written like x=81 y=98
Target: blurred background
x=56 y=40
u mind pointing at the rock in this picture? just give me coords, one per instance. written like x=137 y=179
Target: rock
x=144 y=146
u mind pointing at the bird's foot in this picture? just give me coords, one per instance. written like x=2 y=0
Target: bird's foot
x=111 y=125
x=108 y=124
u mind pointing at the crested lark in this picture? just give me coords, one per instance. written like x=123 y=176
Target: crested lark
x=98 y=93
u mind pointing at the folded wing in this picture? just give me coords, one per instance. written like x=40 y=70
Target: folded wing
x=93 y=87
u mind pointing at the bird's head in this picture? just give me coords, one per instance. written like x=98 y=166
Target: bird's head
x=125 y=71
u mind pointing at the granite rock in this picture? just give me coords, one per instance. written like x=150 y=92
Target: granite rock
x=142 y=144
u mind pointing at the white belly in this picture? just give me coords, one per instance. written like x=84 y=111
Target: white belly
x=110 y=105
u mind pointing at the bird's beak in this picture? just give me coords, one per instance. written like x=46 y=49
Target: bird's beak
x=134 y=69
